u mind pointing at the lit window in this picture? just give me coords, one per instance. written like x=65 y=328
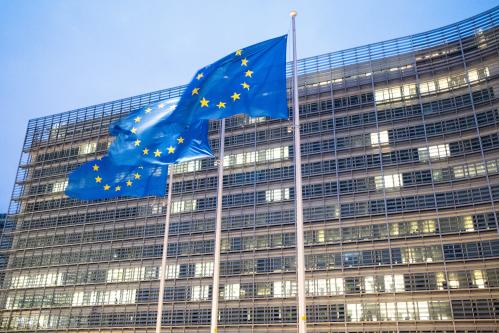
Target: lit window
x=185 y=167
x=434 y=152
x=443 y=84
x=267 y=155
x=59 y=186
x=232 y=291
x=278 y=194
x=478 y=279
x=203 y=269
x=87 y=148
x=172 y=271
x=380 y=138
x=388 y=181
x=468 y=223
x=284 y=289
x=183 y=206
x=200 y=293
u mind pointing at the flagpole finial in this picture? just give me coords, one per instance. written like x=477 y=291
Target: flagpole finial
x=293 y=13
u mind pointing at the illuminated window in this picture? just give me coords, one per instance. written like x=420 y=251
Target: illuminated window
x=394 y=283
x=434 y=152
x=183 y=206
x=232 y=291
x=172 y=271
x=380 y=138
x=278 y=194
x=388 y=181
x=200 y=293
x=87 y=148
x=395 y=93
x=203 y=269
x=478 y=279
x=59 y=186
x=267 y=155
x=284 y=289
x=185 y=167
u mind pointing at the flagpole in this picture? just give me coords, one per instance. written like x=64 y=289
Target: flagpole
x=218 y=232
x=162 y=271
x=300 y=246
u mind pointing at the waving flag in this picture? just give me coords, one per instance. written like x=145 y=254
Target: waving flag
x=249 y=81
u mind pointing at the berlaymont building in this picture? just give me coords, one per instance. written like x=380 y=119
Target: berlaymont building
x=400 y=144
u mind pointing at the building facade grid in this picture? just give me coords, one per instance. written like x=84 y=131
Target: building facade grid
x=401 y=182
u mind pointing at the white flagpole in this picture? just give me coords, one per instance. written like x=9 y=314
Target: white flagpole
x=162 y=271
x=300 y=247
x=218 y=232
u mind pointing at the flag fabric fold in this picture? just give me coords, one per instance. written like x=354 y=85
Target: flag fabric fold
x=250 y=81
x=102 y=179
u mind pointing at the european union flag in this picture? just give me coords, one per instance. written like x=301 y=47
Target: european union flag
x=102 y=179
x=251 y=81
x=136 y=164
x=150 y=136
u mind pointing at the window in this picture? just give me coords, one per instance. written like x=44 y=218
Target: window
x=434 y=152
x=185 y=167
x=200 y=293
x=183 y=206
x=380 y=138
x=87 y=148
x=388 y=181
x=271 y=154
x=278 y=194
x=284 y=289
x=203 y=269
x=60 y=186
x=232 y=291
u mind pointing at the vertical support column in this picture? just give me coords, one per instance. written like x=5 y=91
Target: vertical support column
x=218 y=232
x=162 y=271
x=300 y=244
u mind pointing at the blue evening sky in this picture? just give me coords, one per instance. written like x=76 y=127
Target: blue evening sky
x=60 y=55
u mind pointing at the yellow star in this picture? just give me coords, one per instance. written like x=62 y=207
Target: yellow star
x=129 y=183
x=136 y=175
x=148 y=110
x=106 y=187
x=204 y=102
x=160 y=105
x=235 y=96
x=195 y=91
x=157 y=153
x=98 y=179
x=199 y=76
x=248 y=73
x=180 y=140
x=245 y=85
x=221 y=105
x=137 y=142
x=244 y=62
x=171 y=150
x=138 y=119
x=117 y=188
x=145 y=151
x=239 y=52
x=95 y=167
x=133 y=130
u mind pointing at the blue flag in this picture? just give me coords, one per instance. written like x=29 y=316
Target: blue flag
x=101 y=179
x=136 y=164
x=149 y=136
x=250 y=81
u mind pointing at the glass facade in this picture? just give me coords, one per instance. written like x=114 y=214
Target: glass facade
x=400 y=149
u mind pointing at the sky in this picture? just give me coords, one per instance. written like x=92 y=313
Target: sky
x=59 y=55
